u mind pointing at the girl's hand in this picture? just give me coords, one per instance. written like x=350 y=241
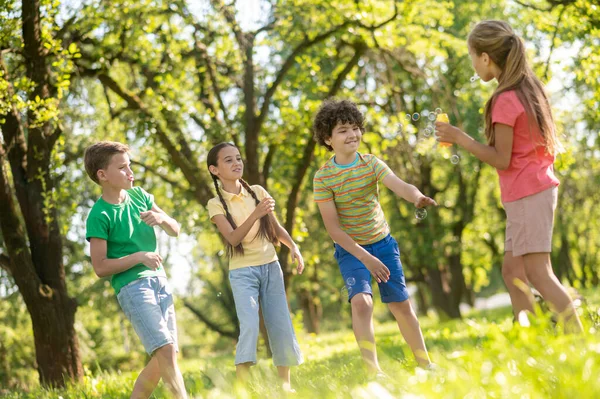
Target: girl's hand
x=264 y=207
x=447 y=133
x=424 y=201
x=297 y=256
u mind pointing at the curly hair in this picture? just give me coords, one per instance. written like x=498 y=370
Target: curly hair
x=331 y=113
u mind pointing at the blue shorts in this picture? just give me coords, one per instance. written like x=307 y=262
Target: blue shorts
x=357 y=277
x=148 y=304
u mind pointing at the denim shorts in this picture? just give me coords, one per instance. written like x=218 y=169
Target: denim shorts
x=357 y=277
x=263 y=283
x=148 y=304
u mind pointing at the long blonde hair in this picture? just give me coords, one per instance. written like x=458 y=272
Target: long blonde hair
x=507 y=50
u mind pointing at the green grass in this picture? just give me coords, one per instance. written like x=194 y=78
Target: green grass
x=482 y=356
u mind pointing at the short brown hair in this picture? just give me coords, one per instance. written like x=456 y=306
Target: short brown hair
x=97 y=156
x=330 y=114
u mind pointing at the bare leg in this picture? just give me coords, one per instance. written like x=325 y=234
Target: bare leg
x=362 y=324
x=169 y=371
x=242 y=371
x=284 y=374
x=513 y=268
x=410 y=330
x=147 y=380
x=539 y=271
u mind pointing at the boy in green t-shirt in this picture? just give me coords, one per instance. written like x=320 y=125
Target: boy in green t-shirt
x=120 y=229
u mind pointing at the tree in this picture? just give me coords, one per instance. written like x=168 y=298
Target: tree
x=34 y=70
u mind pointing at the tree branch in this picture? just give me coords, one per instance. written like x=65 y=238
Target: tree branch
x=163 y=177
x=230 y=18
x=188 y=167
x=287 y=65
x=553 y=42
x=210 y=324
x=5 y=263
x=267 y=164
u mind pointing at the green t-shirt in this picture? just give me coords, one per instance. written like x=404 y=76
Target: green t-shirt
x=125 y=233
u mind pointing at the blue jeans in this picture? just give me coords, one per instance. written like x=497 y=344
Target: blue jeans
x=263 y=283
x=357 y=277
x=148 y=304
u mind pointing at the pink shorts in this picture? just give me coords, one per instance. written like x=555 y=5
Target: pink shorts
x=529 y=223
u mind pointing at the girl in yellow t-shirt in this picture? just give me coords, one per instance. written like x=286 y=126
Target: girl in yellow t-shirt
x=244 y=216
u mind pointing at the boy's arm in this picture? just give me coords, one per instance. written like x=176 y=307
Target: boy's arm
x=158 y=217
x=332 y=224
x=287 y=240
x=235 y=236
x=407 y=191
x=104 y=267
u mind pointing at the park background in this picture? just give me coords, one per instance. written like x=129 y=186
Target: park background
x=173 y=78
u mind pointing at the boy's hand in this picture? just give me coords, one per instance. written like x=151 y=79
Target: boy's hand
x=297 y=256
x=151 y=260
x=264 y=207
x=377 y=269
x=152 y=218
x=424 y=201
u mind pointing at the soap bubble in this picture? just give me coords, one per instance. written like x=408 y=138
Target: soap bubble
x=454 y=159
x=415 y=116
x=420 y=213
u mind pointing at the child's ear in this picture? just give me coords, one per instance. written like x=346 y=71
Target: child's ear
x=485 y=58
x=101 y=175
x=213 y=169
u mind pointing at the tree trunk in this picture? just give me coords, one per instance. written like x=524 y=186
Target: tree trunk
x=52 y=311
x=423 y=306
x=440 y=295
x=35 y=249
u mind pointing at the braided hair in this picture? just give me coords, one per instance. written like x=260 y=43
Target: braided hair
x=267 y=227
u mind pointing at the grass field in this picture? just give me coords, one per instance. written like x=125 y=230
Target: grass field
x=482 y=356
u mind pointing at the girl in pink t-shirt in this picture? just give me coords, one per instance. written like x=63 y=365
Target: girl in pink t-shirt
x=521 y=144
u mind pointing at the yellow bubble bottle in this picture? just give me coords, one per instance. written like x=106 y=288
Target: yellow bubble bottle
x=443 y=118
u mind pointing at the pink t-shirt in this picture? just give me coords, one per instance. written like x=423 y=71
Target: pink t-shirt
x=531 y=169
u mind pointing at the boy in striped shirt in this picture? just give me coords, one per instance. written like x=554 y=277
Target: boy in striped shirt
x=346 y=191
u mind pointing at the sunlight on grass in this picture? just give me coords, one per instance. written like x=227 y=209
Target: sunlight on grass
x=482 y=356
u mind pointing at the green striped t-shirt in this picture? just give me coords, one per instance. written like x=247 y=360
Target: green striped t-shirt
x=353 y=187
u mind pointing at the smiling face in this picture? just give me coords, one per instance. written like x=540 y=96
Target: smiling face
x=118 y=173
x=229 y=164
x=345 y=138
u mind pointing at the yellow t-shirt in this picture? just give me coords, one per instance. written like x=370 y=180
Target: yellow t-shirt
x=257 y=251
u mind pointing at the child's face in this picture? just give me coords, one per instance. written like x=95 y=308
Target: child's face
x=345 y=138
x=482 y=64
x=229 y=164
x=118 y=173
